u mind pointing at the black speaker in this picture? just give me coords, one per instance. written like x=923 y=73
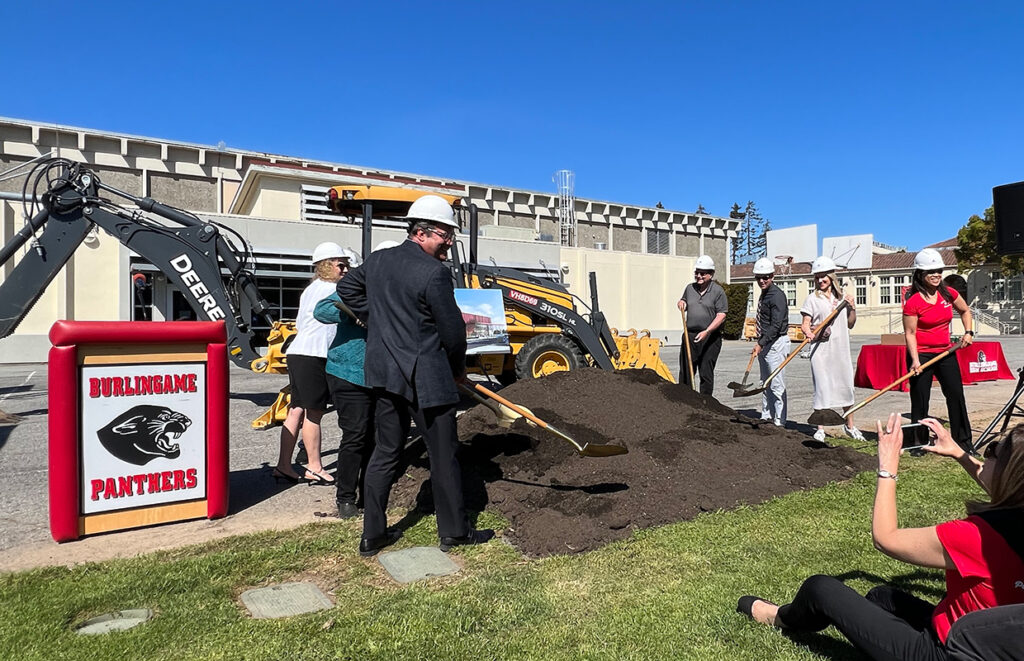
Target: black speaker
x=1008 y=205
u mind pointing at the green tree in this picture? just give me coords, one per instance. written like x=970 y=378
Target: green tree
x=739 y=242
x=976 y=245
x=736 y=294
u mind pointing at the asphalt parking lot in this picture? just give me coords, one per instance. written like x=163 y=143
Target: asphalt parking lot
x=258 y=503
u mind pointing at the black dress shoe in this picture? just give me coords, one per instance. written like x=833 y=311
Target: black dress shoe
x=370 y=547
x=347 y=510
x=474 y=537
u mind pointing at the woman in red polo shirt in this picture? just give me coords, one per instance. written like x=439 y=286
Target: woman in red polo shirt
x=982 y=555
x=927 y=316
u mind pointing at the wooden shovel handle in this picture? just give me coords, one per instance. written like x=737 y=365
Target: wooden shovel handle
x=824 y=324
x=750 y=363
x=518 y=409
x=686 y=344
x=900 y=380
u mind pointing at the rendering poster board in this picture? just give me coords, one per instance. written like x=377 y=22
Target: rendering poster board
x=138 y=425
x=484 y=314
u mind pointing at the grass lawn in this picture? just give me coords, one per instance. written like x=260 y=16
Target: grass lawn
x=665 y=593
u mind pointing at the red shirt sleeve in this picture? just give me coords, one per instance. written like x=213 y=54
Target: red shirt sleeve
x=911 y=307
x=962 y=541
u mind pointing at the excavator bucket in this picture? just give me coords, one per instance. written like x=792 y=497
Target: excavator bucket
x=650 y=356
x=640 y=351
x=275 y=362
x=277 y=412
x=628 y=345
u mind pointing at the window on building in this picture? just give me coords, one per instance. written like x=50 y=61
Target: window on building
x=1013 y=289
x=789 y=288
x=890 y=289
x=998 y=286
x=861 y=289
x=658 y=241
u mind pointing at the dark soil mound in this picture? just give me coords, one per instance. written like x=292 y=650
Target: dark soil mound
x=688 y=453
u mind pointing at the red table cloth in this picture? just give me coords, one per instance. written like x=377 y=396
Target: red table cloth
x=878 y=365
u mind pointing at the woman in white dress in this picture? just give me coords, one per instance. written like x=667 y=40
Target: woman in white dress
x=831 y=368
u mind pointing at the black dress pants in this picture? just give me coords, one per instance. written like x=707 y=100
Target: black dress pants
x=947 y=371
x=993 y=634
x=355 y=408
x=437 y=425
x=886 y=625
x=704 y=356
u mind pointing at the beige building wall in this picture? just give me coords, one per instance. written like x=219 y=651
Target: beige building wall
x=634 y=290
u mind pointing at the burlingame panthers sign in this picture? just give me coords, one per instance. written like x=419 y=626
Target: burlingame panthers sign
x=143 y=435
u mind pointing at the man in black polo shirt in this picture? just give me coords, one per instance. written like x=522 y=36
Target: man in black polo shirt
x=704 y=305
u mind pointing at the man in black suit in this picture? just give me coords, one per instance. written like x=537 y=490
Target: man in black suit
x=415 y=355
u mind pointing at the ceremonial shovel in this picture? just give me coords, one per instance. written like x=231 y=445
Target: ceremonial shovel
x=689 y=359
x=828 y=417
x=584 y=450
x=743 y=382
x=739 y=390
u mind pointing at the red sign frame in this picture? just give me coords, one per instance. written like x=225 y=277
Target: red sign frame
x=132 y=342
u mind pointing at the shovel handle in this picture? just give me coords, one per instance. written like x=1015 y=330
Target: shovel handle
x=900 y=380
x=750 y=363
x=824 y=324
x=518 y=409
x=686 y=343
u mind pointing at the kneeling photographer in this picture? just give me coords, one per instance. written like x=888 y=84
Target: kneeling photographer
x=981 y=555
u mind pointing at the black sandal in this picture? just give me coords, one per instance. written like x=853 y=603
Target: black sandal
x=278 y=476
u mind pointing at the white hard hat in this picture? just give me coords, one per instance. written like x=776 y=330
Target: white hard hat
x=823 y=265
x=385 y=245
x=764 y=266
x=705 y=263
x=928 y=260
x=352 y=256
x=327 y=250
x=434 y=209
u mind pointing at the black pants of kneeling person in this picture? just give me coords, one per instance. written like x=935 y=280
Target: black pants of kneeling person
x=356 y=408
x=704 y=356
x=886 y=625
x=437 y=425
x=947 y=371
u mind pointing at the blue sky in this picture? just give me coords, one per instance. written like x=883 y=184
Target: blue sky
x=894 y=118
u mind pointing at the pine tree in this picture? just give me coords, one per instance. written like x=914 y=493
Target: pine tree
x=739 y=242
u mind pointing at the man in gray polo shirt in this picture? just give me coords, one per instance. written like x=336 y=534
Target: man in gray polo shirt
x=704 y=304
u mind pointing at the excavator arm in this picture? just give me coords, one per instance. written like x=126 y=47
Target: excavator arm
x=193 y=254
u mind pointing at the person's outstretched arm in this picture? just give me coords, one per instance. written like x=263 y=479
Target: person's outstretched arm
x=917 y=546
x=945 y=446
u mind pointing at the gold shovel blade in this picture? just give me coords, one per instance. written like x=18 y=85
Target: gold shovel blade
x=603 y=450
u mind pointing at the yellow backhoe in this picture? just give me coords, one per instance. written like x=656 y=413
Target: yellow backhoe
x=550 y=329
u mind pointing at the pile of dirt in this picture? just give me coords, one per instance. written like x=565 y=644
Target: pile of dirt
x=688 y=453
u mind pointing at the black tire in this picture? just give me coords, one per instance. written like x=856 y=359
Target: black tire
x=546 y=354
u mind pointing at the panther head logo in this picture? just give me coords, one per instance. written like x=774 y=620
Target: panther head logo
x=144 y=433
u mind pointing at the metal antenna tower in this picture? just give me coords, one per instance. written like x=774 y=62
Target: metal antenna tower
x=566 y=181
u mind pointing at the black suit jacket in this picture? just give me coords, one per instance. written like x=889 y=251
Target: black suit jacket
x=416 y=341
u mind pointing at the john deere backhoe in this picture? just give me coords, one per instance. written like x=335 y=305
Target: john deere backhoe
x=550 y=329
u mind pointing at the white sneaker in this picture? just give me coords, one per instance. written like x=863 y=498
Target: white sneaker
x=766 y=418
x=779 y=423
x=819 y=435
x=854 y=433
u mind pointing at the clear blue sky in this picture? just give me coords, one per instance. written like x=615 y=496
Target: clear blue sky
x=894 y=118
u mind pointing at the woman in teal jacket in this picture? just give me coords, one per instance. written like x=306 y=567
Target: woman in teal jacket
x=352 y=399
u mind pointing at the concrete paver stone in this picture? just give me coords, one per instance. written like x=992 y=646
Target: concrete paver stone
x=417 y=563
x=285 y=600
